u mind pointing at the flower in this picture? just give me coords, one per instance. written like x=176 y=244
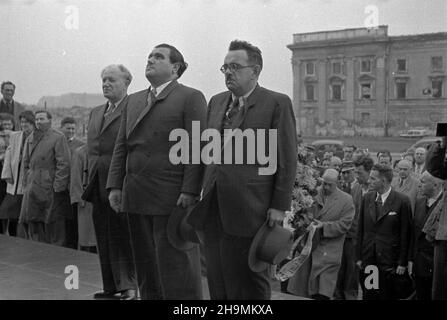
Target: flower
x=300 y=216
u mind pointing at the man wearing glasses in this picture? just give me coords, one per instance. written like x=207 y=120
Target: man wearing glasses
x=236 y=200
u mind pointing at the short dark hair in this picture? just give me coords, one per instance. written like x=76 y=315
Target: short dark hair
x=4 y=83
x=384 y=152
x=175 y=56
x=6 y=116
x=66 y=120
x=364 y=161
x=49 y=116
x=254 y=53
x=384 y=171
x=28 y=115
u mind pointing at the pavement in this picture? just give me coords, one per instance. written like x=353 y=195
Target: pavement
x=38 y=271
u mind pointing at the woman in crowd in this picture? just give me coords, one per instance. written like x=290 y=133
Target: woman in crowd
x=12 y=173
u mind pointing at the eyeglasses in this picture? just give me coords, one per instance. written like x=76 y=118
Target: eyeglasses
x=233 y=67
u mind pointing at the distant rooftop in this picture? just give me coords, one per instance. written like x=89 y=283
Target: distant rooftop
x=379 y=33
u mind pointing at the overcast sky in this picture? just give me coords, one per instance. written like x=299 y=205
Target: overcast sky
x=44 y=57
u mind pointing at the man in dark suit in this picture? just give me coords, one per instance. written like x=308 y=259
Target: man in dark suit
x=112 y=233
x=383 y=236
x=68 y=127
x=8 y=105
x=421 y=254
x=236 y=198
x=147 y=184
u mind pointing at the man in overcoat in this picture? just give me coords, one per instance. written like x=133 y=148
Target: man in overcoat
x=333 y=217
x=46 y=161
x=147 y=183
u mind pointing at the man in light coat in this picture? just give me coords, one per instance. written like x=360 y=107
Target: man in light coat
x=333 y=218
x=46 y=161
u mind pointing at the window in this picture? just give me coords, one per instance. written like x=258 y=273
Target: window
x=310 y=92
x=365 y=117
x=310 y=68
x=401 y=90
x=336 y=67
x=336 y=92
x=436 y=88
x=436 y=63
x=365 y=89
x=401 y=65
x=365 y=65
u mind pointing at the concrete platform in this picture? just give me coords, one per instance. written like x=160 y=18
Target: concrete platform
x=36 y=271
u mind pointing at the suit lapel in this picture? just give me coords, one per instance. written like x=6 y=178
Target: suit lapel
x=372 y=207
x=329 y=204
x=110 y=118
x=35 y=141
x=98 y=117
x=387 y=205
x=141 y=112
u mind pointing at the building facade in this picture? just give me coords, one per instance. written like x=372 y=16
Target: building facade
x=364 y=82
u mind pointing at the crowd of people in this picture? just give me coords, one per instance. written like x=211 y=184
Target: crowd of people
x=41 y=177
x=156 y=225
x=391 y=220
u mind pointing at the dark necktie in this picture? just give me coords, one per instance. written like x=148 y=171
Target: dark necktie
x=379 y=205
x=233 y=109
x=110 y=109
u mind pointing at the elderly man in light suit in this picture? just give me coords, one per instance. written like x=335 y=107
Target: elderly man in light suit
x=333 y=218
x=237 y=200
x=149 y=187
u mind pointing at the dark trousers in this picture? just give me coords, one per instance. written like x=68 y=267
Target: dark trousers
x=423 y=287
x=440 y=271
x=113 y=242
x=228 y=273
x=163 y=271
x=385 y=290
x=347 y=280
x=71 y=228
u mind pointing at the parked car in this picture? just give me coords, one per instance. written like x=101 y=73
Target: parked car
x=414 y=133
x=323 y=146
x=424 y=142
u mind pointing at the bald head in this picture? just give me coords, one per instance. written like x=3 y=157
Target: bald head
x=330 y=179
x=419 y=155
x=404 y=168
x=430 y=185
x=330 y=176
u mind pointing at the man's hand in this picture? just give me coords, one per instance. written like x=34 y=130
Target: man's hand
x=410 y=267
x=115 y=199
x=400 y=270
x=359 y=264
x=275 y=216
x=185 y=200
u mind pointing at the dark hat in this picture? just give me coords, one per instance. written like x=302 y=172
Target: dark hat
x=403 y=286
x=180 y=234
x=347 y=166
x=271 y=245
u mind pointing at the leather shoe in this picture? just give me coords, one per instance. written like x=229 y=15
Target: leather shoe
x=104 y=294
x=128 y=295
